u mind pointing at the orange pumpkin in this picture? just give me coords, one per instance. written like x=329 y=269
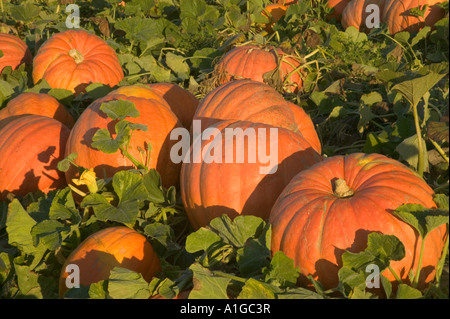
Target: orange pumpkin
x=111 y=247
x=334 y=205
x=74 y=59
x=155 y=113
x=39 y=104
x=396 y=14
x=252 y=62
x=246 y=100
x=31 y=147
x=182 y=102
x=273 y=12
x=306 y=127
x=338 y=6
x=225 y=184
x=15 y=51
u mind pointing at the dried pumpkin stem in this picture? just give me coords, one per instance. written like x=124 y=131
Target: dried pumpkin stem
x=76 y=55
x=341 y=189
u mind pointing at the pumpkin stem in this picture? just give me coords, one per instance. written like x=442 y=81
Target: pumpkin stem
x=341 y=189
x=76 y=55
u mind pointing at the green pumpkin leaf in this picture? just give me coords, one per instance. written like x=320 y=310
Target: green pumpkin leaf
x=281 y=271
x=127 y=284
x=103 y=141
x=422 y=219
x=407 y=292
x=18 y=226
x=201 y=240
x=153 y=185
x=207 y=285
x=255 y=289
x=119 y=109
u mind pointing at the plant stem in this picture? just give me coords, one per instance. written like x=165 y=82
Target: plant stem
x=420 y=164
x=399 y=280
x=133 y=159
x=440 y=150
x=419 y=266
x=224 y=274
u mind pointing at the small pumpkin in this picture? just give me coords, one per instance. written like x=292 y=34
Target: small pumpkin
x=182 y=102
x=396 y=14
x=154 y=112
x=39 y=104
x=74 y=59
x=225 y=185
x=253 y=62
x=273 y=12
x=245 y=100
x=31 y=147
x=15 y=51
x=334 y=205
x=111 y=247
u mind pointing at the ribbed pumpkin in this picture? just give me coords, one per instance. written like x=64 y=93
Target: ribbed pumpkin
x=31 y=146
x=38 y=104
x=252 y=62
x=396 y=14
x=338 y=6
x=182 y=102
x=245 y=100
x=355 y=13
x=317 y=217
x=210 y=188
x=73 y=59
x=273 y=12
x=111 y=247
x=15 y=51
x=155 y=113
x=306 y=126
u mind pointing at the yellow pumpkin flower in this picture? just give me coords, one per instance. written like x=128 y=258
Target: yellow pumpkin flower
x=87 y=178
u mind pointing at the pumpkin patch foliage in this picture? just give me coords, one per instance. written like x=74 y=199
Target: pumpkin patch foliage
x=98 y=97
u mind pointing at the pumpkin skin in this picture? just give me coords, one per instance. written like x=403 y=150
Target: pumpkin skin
x=245 y=100
x=395 y=15
x=182 y=102
x=306 y=126
x=31 y=147
x=339 y=6
x=155 y=113
x=73 y=59
x=252 y=62
x=313 y=225
x=111 y=247
x=15 y=51
x=273 y=12
x=209 y=190
x=39 y=104
x=355 y=13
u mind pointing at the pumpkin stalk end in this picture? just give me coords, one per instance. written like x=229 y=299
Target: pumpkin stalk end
x=341 y=189
x=76 y=55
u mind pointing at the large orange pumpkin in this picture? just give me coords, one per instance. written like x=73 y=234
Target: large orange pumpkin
x=155 y=113
x=252 y=62
x=15 y=51
x=306 y=126
x=73 y=59
x=355 y=13
x=211 y=188
x=39 y=104
x=245 y=100
x=396 y=14
x=182 y=102
x=31 y=147
x=111 y=247
x=316 y=218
